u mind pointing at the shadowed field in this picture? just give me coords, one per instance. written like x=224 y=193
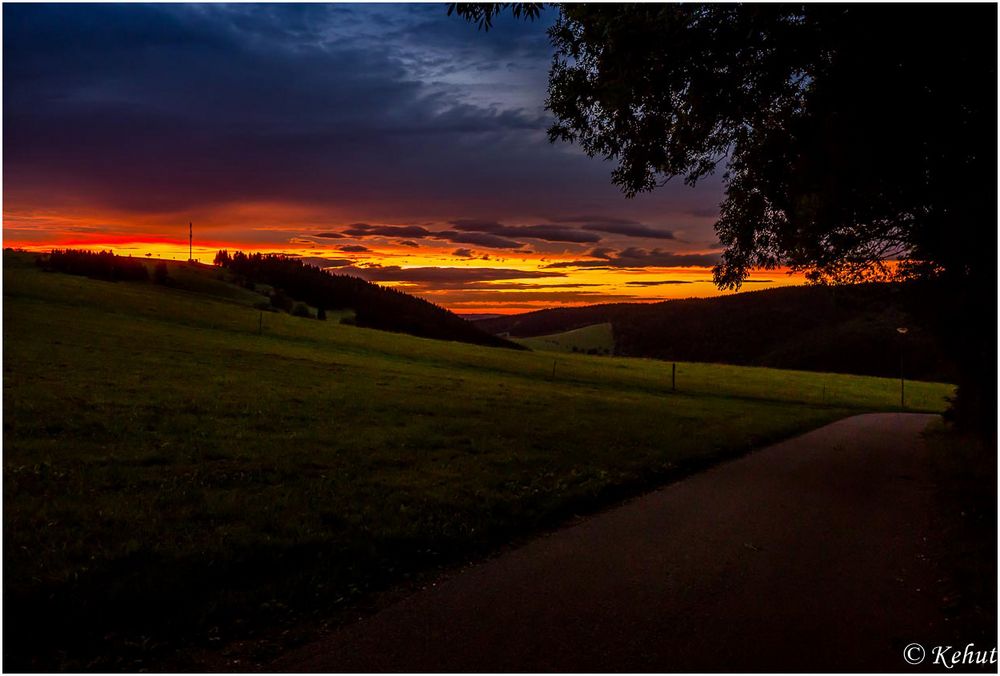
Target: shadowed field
x=171 y=475
x=594 y=339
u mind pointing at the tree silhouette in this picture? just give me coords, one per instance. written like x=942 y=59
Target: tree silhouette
x=849 y=137
x=96 y=264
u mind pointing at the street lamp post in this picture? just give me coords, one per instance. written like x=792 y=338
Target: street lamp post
x=902 y=382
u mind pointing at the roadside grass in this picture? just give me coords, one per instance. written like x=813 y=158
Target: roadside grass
x=593 y=339
x=173 y=478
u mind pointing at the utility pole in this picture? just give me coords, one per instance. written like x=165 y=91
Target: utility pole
x=190 y=240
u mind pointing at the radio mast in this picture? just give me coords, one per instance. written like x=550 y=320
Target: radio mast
x=190 y=239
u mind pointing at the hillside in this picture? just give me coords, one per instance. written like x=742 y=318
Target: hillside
x=278 y=283
x=374 y=306
x=179 y=474
x=593 y=339
x=845 y=329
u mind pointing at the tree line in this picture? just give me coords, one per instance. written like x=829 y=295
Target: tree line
x=374 y=306
x=96 y=264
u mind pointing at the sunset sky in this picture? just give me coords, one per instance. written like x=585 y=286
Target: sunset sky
x=387 y=141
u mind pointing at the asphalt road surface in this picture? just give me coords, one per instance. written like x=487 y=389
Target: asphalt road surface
x=808 y=555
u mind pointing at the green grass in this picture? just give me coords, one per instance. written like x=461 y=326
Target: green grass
x=213 y=283
x=593 y=339
x=172 y=476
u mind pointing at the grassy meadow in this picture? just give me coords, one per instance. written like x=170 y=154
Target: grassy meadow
x=179 y=472
x=593 y=339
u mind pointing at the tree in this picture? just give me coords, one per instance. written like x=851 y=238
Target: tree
x=856 y=142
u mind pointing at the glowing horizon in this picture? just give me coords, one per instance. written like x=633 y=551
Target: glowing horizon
x=474 y=284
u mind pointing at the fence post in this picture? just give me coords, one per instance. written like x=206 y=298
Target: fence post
x=673 y=377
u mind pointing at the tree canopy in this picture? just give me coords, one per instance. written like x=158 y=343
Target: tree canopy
x=848 y=136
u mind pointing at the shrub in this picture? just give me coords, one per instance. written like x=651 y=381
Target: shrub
x=301 y=310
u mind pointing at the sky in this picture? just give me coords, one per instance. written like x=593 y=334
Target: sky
x=392 y=142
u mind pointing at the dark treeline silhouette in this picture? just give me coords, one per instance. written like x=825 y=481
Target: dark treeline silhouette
x=838 y=329
x=374 y=306
x=96 y=264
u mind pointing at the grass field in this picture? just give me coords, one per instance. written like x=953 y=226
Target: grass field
x=173 y=478
x=593 y=339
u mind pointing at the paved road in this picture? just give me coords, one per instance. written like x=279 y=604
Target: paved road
x=808 y=555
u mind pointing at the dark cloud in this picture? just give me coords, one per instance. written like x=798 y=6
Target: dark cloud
x=478 y=239
x=484 y=239
x=173 y=95
x=550 y=233
x=556 y=233
x=394 y=273
x=630 y=230
x=462 y=253
x=354 y=248
x=408 y=243
x=326 y=262
x=602 y=252
x=366 y=230
x=659 y=282
x=496 y=286
x=473 y=225
x=634 y=257
x=328 y=235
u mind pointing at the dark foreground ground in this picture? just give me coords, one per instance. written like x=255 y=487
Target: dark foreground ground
x=818 y=553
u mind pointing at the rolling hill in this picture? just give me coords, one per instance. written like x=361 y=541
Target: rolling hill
x=842 y=329
x=274 y=282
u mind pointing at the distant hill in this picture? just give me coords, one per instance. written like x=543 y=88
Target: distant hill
x=280 y=283
x=839 y=329
x=473 y=317
x=374 y=306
